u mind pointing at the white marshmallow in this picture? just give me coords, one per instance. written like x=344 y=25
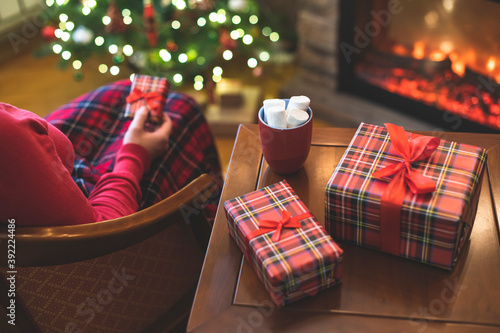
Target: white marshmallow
x=296 y=117
x=298 y=102
x=274 y=102
x=270 y=103
x=276 y=117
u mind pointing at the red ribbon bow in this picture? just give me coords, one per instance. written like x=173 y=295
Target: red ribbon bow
x=152 y=98
x=287 y=221
x=417 y=149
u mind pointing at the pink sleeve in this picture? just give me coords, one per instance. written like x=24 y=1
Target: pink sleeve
x=35 y=186
x=117 y=193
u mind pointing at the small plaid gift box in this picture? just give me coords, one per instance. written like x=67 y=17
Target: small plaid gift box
x=148 y=91
x=409 y=195
x=289 y=250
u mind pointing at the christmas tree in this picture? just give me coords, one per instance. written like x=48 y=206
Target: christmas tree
x=183 y=40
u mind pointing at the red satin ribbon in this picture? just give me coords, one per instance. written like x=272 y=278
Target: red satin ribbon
x=416 y=149
x=152 y=98
x=287 y=221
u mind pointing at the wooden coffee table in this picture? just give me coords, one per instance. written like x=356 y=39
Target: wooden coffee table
x=379 y=292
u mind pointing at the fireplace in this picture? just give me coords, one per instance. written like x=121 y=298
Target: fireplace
x=436 y=60
x=427 y=64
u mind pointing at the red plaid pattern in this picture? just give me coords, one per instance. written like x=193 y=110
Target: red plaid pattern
x=434 y=226
x=304 y=261
x=149 y=84
x=95 y=123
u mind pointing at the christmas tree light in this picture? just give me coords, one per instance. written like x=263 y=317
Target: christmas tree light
x=178 y=39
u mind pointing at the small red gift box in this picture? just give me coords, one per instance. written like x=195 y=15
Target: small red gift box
x=289 y=250
x=405 y=194
x=150 y=92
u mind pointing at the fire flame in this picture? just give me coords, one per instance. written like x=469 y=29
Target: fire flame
x=446 y=47
x=400 y=50
x=445 y=90
x=491 y=64
x=419 y=50
x=437 y=56
x=459 y=63
x=458 y=68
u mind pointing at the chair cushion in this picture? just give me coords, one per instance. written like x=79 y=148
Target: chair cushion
x=124 y=291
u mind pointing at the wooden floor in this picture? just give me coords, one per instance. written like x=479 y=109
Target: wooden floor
x=37 y=85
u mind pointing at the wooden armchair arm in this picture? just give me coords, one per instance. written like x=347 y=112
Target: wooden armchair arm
x=57 y=245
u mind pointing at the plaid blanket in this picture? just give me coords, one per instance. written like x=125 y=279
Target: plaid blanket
x=95 y=123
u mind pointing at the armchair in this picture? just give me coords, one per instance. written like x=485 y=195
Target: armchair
x=132 y=274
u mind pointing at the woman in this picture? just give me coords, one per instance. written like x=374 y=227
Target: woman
x=87 y=162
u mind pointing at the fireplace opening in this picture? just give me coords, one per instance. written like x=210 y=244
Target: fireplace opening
x=438 y=60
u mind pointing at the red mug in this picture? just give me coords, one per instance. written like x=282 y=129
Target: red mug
x=285 y=149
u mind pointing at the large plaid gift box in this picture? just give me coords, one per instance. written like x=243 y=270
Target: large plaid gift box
x=148 y=91
x=408 y=195
x=290 y=251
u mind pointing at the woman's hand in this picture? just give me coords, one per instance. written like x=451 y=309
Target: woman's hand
x=155 y=142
